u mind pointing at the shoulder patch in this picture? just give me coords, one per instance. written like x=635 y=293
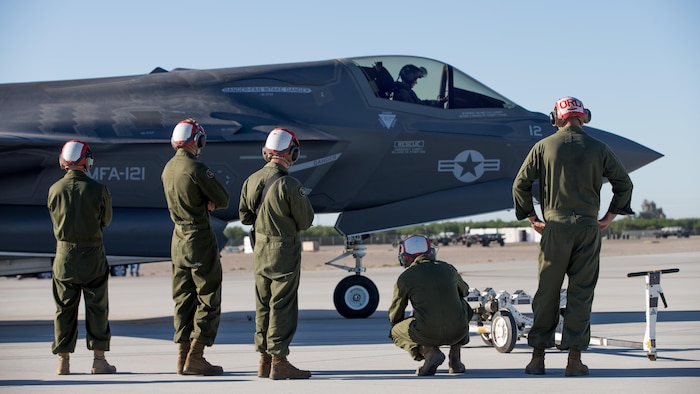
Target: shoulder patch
x=210 y=173
x=302 y=191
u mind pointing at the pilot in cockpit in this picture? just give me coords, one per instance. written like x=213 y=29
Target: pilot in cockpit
x=408 y=76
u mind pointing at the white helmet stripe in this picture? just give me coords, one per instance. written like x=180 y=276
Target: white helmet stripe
x=182 y=132
x=72 y=151
x=278 y=140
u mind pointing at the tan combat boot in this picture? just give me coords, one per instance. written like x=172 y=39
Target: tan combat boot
x=100 y=364
x=536 y=365
x=183 y=347
x=63 y=367
x=283 y=369
x=455 y=359
x=574 y=366
x=196 y=364
x=433 y=359
x=265 y=365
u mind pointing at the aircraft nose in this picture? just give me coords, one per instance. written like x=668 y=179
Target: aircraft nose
x=632 y=154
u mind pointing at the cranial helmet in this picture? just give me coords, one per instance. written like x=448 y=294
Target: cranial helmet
x=412 y=247
x=566 y=107
x=75 y=153
x=187 y=133
x=281 y=143
x=410 y=73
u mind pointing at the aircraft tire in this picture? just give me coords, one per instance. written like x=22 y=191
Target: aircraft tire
x=503 y=331
x=356 y=297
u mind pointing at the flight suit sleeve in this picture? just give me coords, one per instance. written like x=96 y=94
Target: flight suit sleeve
x=245 y=206
x=462 y=286
x=301 y=207
x=621 y=183
x=522 y=186
x=212 y=188
x=106 y=213
x=399 y=302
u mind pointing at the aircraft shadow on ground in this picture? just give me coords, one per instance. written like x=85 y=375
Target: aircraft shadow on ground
x=316 y=327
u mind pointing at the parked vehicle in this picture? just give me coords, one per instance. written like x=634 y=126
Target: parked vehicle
x=676 y=231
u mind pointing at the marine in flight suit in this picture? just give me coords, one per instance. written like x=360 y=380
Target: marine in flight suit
x=80 y=208
x=570 y=166
x=277 y=220
x=192 y=192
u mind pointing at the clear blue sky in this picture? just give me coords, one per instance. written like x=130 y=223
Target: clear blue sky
x=635 y=64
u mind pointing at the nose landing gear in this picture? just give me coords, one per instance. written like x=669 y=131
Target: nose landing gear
x=355 y=296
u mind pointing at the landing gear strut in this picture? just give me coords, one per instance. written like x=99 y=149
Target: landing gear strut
x=355 y=296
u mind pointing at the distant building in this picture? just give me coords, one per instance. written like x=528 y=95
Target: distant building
x=510 y=234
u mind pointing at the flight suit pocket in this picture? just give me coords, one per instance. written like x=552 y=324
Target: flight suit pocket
x=278 y=256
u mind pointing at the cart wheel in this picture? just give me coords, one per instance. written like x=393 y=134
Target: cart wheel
x=356 y=297
x=486 y=337
x=503 y=331
x=652 y=357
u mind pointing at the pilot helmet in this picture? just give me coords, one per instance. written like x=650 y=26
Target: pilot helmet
x=75 y=153
x=566 y=107
x=409 y=73
x=187 y=133
x=281 y=143
x=413 y=247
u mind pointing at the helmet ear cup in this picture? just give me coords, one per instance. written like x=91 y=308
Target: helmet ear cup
x=405 y=259
x=89 y=160
x=588 y=116
x=554 y=118
x=200 y=139
x=294 y=154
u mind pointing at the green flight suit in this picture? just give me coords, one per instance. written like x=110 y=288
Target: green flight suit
x=440 y=316
x=196 y=268
x=80 y=208
x=570 y=166
x=285 y=212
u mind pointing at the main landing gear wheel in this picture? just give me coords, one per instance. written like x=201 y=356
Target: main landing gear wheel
x=503 y=331
x=486 y=337
x=356 y=297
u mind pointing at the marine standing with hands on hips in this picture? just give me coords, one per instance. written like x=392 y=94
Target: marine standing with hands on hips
x=80 y=208
x=570 y=166
x=192 y=193
x=275 y=203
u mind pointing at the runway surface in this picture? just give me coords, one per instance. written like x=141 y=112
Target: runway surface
x=356 y=355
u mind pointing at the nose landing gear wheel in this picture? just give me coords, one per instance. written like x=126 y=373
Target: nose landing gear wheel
x=356 y=297
x=503 y=331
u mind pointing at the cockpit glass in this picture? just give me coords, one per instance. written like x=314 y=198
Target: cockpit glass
x=384 y=74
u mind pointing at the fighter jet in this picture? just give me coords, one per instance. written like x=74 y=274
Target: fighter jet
x=379 y=162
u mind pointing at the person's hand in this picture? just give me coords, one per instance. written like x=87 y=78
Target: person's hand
x=536 y=224
x=604 y=223
x=211 y=206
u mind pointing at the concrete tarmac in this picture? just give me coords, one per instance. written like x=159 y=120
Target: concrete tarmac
x=356 y=355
